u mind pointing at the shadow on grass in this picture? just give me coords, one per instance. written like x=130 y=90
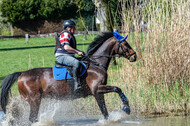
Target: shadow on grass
x=2 y=78
x=35 y=47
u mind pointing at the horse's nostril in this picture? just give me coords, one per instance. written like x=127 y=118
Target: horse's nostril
x=133 y=58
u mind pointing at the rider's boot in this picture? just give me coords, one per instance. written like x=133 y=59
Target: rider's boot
x=77 y=84
x=76 y=78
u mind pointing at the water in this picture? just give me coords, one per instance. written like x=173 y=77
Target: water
x=66 y=114
x=97 y=121
x=2 y=115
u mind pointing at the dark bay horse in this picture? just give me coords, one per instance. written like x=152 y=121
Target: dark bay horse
x=37 y=83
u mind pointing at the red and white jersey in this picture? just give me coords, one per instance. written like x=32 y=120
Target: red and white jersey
x=65 y=38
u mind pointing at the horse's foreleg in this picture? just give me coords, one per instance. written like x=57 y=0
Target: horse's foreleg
x=34 y=108
x=102 y=89
x=101 y=103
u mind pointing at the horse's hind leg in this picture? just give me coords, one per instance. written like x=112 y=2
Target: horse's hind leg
x=101 y=103
x=34 y=107
x=102 y=89
x=33 y=98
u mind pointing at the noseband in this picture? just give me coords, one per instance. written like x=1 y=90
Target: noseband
x=120 y=39
x=124 y=50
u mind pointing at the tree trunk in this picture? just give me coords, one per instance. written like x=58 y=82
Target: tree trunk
x=11 y=29
x=104 y=15
x=124 y=19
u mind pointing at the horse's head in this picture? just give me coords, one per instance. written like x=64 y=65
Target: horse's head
x=123 y=48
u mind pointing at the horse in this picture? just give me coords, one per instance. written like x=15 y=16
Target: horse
x=37 y=83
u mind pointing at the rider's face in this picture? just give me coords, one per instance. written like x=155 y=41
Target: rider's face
x=71 y=29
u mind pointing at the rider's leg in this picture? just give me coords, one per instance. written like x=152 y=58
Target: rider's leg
x=76 y=75
x=75 y=64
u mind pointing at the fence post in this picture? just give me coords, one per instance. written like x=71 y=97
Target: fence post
x=85 y=33
x=11 y=29
x=26 y=37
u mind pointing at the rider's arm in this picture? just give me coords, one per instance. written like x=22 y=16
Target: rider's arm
x=72 y=50
x=65 y=42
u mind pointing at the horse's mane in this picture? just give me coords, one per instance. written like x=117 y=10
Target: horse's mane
x=98 y=41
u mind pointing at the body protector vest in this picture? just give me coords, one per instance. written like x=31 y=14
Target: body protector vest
x=58 y=45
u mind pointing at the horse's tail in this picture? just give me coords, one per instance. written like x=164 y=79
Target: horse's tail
x=5 y=88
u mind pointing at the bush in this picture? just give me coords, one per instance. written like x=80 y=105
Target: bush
x=81 y=24
x=37 y=10
x=4 y=29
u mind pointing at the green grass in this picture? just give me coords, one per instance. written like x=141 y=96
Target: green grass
x=17 y=55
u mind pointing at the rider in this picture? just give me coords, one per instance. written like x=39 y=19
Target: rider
x=66 y=49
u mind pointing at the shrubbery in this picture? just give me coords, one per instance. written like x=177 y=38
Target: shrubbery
x=23 y=10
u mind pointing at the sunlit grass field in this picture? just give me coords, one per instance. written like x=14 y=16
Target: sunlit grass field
x=17 y=55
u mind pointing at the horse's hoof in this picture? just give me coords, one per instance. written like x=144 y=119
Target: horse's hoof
x=33 y=120
x=126 y=109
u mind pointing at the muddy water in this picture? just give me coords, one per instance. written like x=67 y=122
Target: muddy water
x=56 y=113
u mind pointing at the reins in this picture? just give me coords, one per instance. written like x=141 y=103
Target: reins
x=93 y=62
x=119 y=39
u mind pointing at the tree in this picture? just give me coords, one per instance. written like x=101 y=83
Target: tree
x=22 y=10
x=86 y=10
x=104 y=14
x=19 y=10
x=57 y=9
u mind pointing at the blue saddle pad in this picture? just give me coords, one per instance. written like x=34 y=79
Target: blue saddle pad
x=61 y=73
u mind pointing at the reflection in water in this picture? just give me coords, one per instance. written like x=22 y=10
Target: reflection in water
x=159 y=121
x=61 y=113
x=78 y=122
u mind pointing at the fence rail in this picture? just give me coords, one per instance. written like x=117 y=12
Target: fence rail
x=48 y=35
x=16 y=36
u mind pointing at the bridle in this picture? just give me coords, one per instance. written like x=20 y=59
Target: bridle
x=124 y=50
x=95 y=63
x=119 y=46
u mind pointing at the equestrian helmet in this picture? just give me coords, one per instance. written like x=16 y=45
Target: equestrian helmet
x=68 y=23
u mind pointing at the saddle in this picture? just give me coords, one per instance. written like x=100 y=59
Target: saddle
x=62 y=71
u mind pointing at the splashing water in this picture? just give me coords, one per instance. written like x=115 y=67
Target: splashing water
x=17 y=113
x=114 y=117
x=50 y=109
x=57 y=113
x=61 y=113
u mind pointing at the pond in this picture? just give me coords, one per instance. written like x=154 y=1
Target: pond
x=114 y=120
